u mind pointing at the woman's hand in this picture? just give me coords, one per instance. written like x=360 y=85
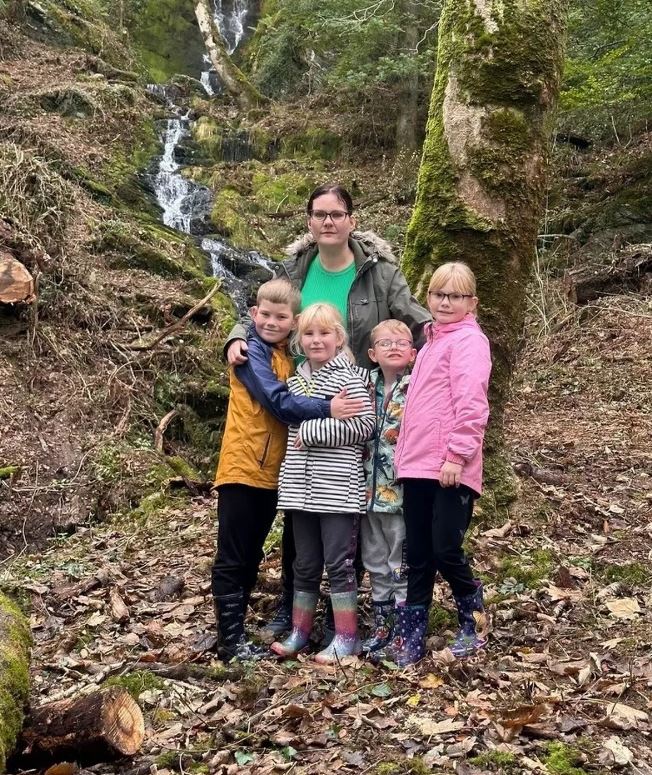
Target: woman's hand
x=450 y=474
x=343 y=407
x=236 y=353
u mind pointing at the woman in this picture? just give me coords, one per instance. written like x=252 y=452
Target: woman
x=358 y=274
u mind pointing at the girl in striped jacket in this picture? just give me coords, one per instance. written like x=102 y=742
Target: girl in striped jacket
x=322 y=484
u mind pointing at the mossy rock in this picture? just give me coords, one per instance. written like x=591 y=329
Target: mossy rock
x=15 y=643
x=315 y=143
x=231 y=218
x=70 y=101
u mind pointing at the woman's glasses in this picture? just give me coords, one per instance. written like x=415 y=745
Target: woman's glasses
x=387 y=344
x=337 y=216
x=454 y=298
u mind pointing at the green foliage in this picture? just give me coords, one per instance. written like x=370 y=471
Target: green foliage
x=608 y=72
x=497 y=761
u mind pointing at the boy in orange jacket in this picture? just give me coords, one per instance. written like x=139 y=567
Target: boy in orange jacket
x=260 y=409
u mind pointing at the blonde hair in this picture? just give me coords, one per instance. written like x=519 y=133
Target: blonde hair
x=395 y=326
x=458 y=274
x=319 y=314
x=280 y=291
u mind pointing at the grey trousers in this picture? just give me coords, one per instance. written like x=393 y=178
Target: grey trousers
x=383 y=555
x=325 y=539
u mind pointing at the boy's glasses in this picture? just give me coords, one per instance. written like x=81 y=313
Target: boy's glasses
x=387 y=344
x=337 y=216
x=454 y=298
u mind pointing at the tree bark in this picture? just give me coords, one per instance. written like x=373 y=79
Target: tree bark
x=91 y=728
x=15 y=641
x=482 y=175
x=233 y=79
x=406 y=125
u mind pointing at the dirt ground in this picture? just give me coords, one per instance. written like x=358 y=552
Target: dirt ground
x=563 y=687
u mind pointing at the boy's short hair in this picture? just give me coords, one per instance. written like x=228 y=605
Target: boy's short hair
x=280 y=291
x=394 y=326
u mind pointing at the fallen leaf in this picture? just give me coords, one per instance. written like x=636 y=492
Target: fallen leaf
x=614 y=752
x=431 y=681
x=119 y=611
x=624 y=716
x=563 y=593
x=381 y=690
x=624 y=608
x=413 y=701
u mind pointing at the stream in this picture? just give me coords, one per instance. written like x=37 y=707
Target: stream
x=185 y=204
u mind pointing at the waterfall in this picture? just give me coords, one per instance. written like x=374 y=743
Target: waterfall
x=184 y=203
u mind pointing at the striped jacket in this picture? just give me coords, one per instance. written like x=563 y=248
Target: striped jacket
x=326 y=474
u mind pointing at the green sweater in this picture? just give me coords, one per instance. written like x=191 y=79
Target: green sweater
x=325 y=286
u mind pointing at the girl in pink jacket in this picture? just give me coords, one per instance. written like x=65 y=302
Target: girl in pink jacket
x=439 y=460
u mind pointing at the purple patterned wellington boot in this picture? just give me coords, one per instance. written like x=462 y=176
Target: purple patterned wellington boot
x=383 y=627
x=303 y=612
x=346 y=642
x=468 y=641
x=409 y=643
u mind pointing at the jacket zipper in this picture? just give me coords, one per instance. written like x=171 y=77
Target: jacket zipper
x=378 y=432
x=265 y=450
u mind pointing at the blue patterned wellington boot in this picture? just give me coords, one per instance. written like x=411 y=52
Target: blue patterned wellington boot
x=383 y=627
x=346 y=642
x=303 y=613
x=468 y=641
x=409 y=644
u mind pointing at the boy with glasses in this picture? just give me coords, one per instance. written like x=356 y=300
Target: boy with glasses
x=383 y=528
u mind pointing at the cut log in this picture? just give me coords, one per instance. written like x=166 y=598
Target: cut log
x=626 y=273
x=15 y=643
x=16 y=283
x=91 y=728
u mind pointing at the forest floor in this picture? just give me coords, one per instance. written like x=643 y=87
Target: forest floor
x=563 y=687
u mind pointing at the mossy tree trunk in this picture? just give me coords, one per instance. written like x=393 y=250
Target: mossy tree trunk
x=482 y=175
x=15 y=641
x=234 y=80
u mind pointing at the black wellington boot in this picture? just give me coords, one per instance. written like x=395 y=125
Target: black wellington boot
x=232 y=641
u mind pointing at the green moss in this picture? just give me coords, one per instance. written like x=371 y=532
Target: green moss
x=441 y=619
x=529 y=570
x=633 y=574
x=404 y=766
x=15 y=642
x=497 y=761
x=7 y=471
x=231 y=218
x=561 y=759
x=136 y=682
x=315 y=143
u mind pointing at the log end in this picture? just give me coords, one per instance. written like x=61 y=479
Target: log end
x=122 y=721
x=16 y=283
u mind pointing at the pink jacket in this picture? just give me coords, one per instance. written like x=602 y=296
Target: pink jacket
x=446 y=409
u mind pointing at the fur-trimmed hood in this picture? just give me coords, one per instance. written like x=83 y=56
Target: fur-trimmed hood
x=369 y=241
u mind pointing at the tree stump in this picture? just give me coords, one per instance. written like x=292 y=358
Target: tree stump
x=16 y=283
x=15 y=642
x=91 y=728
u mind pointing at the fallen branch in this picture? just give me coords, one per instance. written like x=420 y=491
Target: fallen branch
x=627 y=272
x=14 y=674
x=179 y=325
x=159 y=433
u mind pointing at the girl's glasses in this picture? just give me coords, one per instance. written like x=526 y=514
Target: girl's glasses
x=337 y=216
x=454 y=298
x=387 y=344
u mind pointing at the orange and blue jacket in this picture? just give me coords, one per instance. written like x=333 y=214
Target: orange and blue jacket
x=260 y=409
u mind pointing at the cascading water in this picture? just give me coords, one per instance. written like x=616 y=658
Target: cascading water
x=184 y=203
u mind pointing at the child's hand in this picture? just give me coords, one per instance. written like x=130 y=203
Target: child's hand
x=298 y=444
x=450 y=474
x=343 y=407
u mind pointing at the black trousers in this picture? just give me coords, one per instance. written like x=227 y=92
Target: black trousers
x=244 y=518
x=436 y=520
x=327 y=540
x=289 y=553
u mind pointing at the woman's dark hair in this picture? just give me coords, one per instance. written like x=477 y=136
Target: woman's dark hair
x=328 y=188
